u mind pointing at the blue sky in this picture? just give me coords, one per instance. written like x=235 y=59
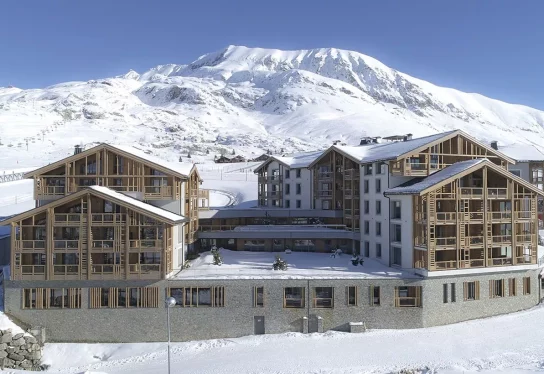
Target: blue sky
x=490 y=47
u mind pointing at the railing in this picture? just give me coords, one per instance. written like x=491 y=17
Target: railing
x=33 y=269
x=324 y=175
x=102 y=243
x=497 y=193
x=66 y=244
x=501 y=238
x=475 y=216
x=270 y=179
x=52 y=190
x=351 y=174
x=68 y=218
x=472 y=192
x=441 y=217
x=348 y=193
x=475 y=263
x=143 y=268
x=323 y=193
x=108 y=218
x=499 y=261
x=526 y=259
x=475 y=240
x=146 y=243
x=449 y=241
x=103 y=269
x=65 y=269
x=158 y=191
x=124 y=188
x=523 y=215
x=524 y=238
x=442 y=265
x=30 y=244
x=500 y=215
x=418 y=166
x=207 y=228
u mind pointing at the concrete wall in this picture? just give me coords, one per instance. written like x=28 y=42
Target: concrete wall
x=236 y=318
x=523 y=167
x=174 y=206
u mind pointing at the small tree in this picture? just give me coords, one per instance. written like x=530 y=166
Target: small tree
x=180 y=159
x=207 y=151
x=233 y=153
x=279 y=264
x=189 y=155
x=217 y=259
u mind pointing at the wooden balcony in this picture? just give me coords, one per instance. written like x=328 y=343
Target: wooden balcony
x=67 y=219
x=324 y=176
x=472 y=263
x=146 y=243
x=272 y=179
x=505 y=216
x=523 y=215
x=103 y=244
x=324 y=193
x=108 y=218
x=525 y=259
x=501 y=239
x=144 y=271
x=66 y=244
x=445 y=217
x=499 y=261
x=351 y=174
x=158 y=192
x=474 y=241
x=446 y=265
x=33 y=271
x=52 y=191
x=446 y=242
x=29 y=245
x=497 y=193
x=524 y=239
x=351 y=213
x=471 y=193
x=65 y=270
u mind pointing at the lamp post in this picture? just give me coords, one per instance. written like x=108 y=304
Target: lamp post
x=170 y=302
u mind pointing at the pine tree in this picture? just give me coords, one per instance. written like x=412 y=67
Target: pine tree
x=207 y=151
x=189 y=155
x=180 y=159
x=233 y=153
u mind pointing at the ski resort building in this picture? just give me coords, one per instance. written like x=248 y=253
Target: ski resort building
x=441 y=228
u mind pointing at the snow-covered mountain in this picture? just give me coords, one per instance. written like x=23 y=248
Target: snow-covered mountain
x=247 y=101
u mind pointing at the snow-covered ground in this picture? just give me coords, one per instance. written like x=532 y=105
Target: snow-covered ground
x=504 y=344
x=258 y=265
x=16 y=197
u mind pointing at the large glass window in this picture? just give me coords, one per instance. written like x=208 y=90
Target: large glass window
x=323 y=297
x=293 y=297
x=395 y=210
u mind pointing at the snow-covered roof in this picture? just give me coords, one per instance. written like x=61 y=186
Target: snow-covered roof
x=523 y=152
x=138 y=204
x=387 y=151
x=299 y=160
x=5 y=231
x=183 y=168
x=440 y=176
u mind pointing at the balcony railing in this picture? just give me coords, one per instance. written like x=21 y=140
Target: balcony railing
x=472 y=192
x=52 y=190
x=472 y=263
x=144 y=268
x=475 y=240
x=146 y=243
x=65 y=269
x=446 y=242
x=324 y=175
x=324 y=193
x=102 y=244
x=501 y=238
x=270 y=179
x=499 y=261
x=103 y=269
x=444 y=265
x=68 y=218
x=158 y=191
x=351 y=174
x=497 y=193
x=418 y=166
x=524 y=238
x=499 y=216
x=446 y=217
x=525 y=259
x=33 y=269
x=108 y=218
x=66 y=244
x=523 y=215
x=30 y=244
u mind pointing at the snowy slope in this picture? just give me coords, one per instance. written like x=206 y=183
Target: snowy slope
x=248 y=100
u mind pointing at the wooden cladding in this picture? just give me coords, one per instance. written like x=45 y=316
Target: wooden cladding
x=51 y=298
x=124 y=297
x=188 y=297
x=526 y=285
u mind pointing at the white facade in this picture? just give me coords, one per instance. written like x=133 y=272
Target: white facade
x=294 y=190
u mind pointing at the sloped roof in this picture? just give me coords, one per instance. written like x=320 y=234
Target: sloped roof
x=456 y=170
x=422 y=184
x=109 y=194
x=294 y=161
x=182 y=169
x=523 y=152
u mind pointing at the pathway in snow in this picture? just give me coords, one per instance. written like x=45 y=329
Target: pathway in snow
x=507 y=344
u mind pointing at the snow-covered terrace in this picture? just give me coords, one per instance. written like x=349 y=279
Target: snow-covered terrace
x=301 y=265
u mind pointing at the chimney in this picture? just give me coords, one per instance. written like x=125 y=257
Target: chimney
x=407 y=137
x=77 y=149
x=495 y=145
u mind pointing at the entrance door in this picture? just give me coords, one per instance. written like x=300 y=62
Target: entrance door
x=258 y=325
x=312 y=324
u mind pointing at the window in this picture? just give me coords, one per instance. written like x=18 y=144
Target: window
x=367 y=227
x=378 y=207
x=445 y=293
x=380 y=168
x=407 y=296
x=378 y=185
x=397 y=256
x=512 y=289
x=54 y=298
x=378 y=229
x=379 y=250
x=366 y=206
x=496 y=288
x=288 y=203
x=287 y=174
x=299 y=189
x=526 y=285
x=365 y=186
x=287 y=189
x=374 y=296
x=397 y=233
x=258 y=297
x=124 y=297
x=516 y=172
x=323 y=297
x=471 y=290
x=395 y=210
x=367 y=249
x=453 y=293
x=198 y=297
x=298 y=173
x=299 y=204
x=293 y=297
x=368 y=169
x=352 y=295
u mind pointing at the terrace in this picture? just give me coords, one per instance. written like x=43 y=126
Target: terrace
x=258 y=265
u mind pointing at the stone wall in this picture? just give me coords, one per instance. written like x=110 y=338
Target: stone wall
x=19 y=351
